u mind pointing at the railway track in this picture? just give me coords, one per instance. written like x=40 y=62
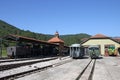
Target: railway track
x=37 y=69
x=14 y=60
x=19 y=64
x=87 y=72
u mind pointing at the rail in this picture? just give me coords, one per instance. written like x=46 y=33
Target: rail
x=88 y=71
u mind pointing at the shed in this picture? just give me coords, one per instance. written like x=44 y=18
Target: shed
x=104 y=42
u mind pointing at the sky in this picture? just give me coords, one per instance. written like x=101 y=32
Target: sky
x=65 y=16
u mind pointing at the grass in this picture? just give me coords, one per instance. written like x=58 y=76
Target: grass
x=4 y=52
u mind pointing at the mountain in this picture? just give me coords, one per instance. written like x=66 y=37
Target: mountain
x=6 y=29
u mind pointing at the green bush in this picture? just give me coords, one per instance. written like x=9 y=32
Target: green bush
x=4 y=53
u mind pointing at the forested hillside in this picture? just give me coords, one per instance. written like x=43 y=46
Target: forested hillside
x=6 y=29
x=74 y=38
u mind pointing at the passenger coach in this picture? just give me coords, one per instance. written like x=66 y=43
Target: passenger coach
x=76 y=51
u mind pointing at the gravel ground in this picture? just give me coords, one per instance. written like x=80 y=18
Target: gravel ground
x=68 y=71
x=107 y=68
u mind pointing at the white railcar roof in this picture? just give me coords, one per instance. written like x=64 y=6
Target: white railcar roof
x=75 y=45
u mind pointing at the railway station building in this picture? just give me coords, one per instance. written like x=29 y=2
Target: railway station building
x=23 y=47
x=107 y=45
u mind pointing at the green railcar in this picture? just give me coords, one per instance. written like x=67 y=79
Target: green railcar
x=111 y=50
x=94 y=51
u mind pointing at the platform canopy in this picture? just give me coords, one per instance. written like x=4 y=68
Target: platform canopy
x=25 y=39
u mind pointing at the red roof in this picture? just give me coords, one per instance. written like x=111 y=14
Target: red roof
x=55 y=40
x=99 y=36
x=25 y=39
x=84 y=39
x=117 y=39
